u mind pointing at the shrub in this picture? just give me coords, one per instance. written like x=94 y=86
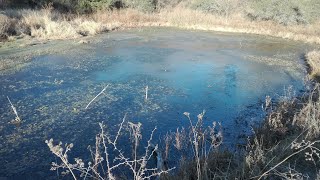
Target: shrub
x=286 y=12
x=8 y=27
x=93 y=5
x=220 y=7
x=4 y=24
x=142 y=5
x=167 y=3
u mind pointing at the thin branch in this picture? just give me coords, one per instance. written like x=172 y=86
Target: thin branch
x=118 y=133
x=17 y=119
x=96 y=96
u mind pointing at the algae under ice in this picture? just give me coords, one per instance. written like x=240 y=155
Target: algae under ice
x=228 y=75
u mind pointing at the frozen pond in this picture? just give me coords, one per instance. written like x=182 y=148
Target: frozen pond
x=228 y=75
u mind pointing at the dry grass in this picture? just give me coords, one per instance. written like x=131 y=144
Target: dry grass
x=192 y=19
x=49 y=24
x=5 y=26
x=289 y=136
x=313 y=59
x=309 y=116
x=127 y=18
x=43 y=26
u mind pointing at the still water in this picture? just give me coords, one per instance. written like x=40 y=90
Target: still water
x=228 y=75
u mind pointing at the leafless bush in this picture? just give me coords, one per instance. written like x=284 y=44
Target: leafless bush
x=105 y=145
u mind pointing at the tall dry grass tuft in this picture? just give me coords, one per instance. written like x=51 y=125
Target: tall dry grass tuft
x=313 y=59
x=282 y=115
x=255 y=155
x=47 y=23
x=309 y=116
x=4 y=26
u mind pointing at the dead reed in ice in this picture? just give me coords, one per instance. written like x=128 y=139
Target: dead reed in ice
x=102 y=91
x=146 y=95
x=17 y=119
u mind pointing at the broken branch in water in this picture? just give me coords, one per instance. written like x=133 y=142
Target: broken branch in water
x=17 y=119
x=96 y=96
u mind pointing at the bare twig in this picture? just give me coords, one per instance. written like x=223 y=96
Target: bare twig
x=17 y=119
x=97 y=96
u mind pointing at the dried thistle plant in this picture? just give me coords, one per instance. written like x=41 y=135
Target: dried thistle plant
x=199 y=137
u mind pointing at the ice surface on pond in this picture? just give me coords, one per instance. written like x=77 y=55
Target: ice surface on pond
x=228 y=75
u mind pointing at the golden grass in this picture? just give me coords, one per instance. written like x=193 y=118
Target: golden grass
x=5 y=24
x=127 y=18
x=48 y=24
x=313 y=59
x=192 y=19
x=43 y=26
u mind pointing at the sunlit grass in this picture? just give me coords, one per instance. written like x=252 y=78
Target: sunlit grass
x=50 y=24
